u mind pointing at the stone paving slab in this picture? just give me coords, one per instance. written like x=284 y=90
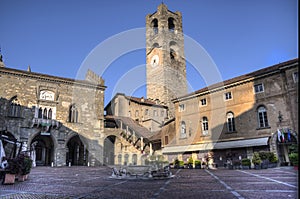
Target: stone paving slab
x=95 y=182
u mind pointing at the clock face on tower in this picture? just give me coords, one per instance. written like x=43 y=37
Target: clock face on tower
x=154 y=60
x=47 y=95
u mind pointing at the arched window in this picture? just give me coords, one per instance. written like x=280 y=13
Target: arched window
x=50 y=114
x=173 y=50
x=171 y=24
x=154 y=25
x=73 y=114
x=134 y=159
x=204 y=125
x=45 y=114
x=262 y=117
x=126 y=159
x=15 y=108
x=172 y=54
x=40 y=113
x=182 y=129
x=230 y=122
x=120 y=159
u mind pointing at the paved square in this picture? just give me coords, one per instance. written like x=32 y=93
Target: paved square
x=94 y=182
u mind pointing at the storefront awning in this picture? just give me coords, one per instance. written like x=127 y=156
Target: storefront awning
x=217 y=145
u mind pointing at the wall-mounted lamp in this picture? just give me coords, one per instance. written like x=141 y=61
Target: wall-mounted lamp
x=279 y=117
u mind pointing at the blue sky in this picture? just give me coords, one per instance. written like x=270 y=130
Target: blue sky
x=55 y=37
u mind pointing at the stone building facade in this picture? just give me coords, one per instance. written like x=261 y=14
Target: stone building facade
x=131 y=123
x=234 y=118
x=228 y=120
x=145 y=112
x=53 y=115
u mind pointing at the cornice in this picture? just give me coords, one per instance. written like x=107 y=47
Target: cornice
x=49 y=78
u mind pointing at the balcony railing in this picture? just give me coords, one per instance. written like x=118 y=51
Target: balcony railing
x=40 y=122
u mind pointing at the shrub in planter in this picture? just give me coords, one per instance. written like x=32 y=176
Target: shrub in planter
x=190 y=163
x=176 y=164
x=11 y=171
x=256 y=160
x=236 y=164
x=264 y=156
x=273 y=160
x=181 y=164
x=246 y=163
x=294 y=158
x=197 y=164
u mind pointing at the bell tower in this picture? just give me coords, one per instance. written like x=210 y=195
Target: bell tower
x=166 y=68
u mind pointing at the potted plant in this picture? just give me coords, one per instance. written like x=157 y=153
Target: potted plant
x=293 y=156
x=236 y=164
x=25 y=168
x=246 y=163
x=181 y=164
x=256 y=160
x=176 y=164
x=264 y=156
x=190 y=163
x=197 y=164
x=273 y=160
x=11 y=171
x=294 y=159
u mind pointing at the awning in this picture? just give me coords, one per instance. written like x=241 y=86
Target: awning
x=217 y=145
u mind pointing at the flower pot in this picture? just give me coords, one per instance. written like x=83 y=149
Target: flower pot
x=9 y=178
x=21 y=178
x=245 y=167
x=257 y=166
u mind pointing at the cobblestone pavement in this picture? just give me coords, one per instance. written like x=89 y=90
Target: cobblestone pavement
x=94 y=182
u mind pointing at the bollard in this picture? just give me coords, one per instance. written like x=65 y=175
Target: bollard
x=88 y=164
x=69 y=164
x=52 y=164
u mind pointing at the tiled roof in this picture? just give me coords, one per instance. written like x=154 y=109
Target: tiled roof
x=156 y=136
x=133 y=125
x=254 y=74
x=144 y=101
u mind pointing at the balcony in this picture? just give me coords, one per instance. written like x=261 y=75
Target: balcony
x=40 y=122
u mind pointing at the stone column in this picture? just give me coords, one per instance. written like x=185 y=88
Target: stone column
x=142 y=143
x=151 y=151
x=250 y=155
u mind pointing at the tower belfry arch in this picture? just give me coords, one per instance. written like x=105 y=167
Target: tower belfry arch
x=166 y=66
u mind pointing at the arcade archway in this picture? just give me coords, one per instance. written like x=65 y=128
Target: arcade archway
x=109 y=150
x=77 y=153
x=44 y=150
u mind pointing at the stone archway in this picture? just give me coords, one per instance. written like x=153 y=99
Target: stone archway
x=44 y=150
x=77 y=153
x=281 y=149
x=109 y=150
